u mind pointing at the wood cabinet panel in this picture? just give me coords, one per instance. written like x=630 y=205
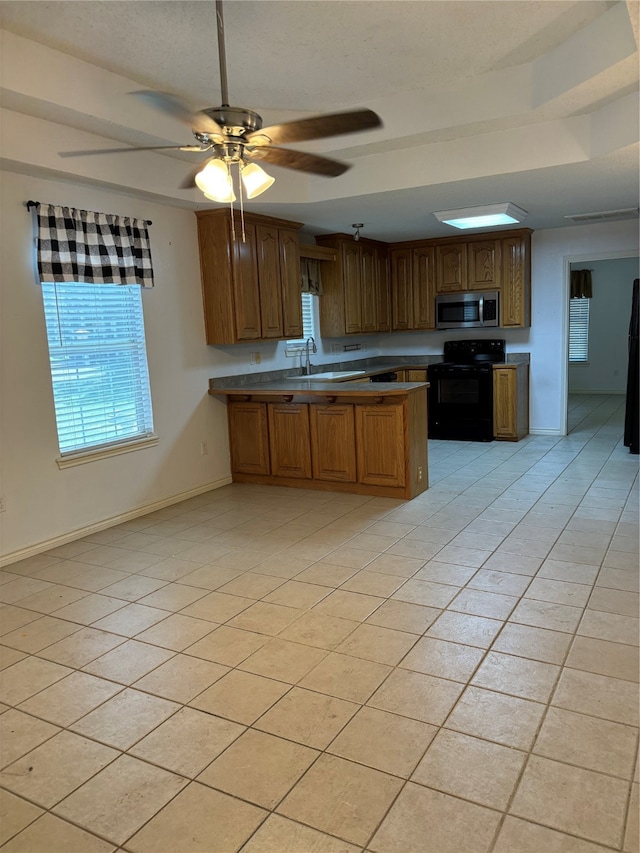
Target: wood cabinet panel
x=369 y=288
x=415 y=375
x=333 y=443
x=289 y=440
x=245 y=287
x=422 y=274
x=451 y=267
x=384 y=292
x=401 y=290
x=381 y=445
x=270 y=287
x=515 y=304
x=352 y=277
x=290 y=276
x=248 y=438
x=511 y=402
x=483 y=265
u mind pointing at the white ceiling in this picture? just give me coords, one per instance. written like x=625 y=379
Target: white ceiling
x=482 y=100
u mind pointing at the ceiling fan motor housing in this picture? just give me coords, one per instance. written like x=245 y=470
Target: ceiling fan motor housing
x=236 y=121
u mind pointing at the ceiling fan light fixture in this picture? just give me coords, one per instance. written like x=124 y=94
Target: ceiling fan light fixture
x=215 y=182
x=484 y=216
x=255 y=180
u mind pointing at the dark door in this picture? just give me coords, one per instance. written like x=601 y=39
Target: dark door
x=631 y=428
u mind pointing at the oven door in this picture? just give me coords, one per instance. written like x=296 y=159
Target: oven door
x=460 y=402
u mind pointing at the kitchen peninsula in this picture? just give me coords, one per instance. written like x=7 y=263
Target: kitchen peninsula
x=348 y=436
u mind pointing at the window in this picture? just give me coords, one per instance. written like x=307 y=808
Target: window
x=308 y=310
x=579 y=330
x=98 y=364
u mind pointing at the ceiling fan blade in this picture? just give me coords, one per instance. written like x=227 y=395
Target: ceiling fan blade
x=165 y=102
x=300 y=160
x=318 y=127
x=121 y=150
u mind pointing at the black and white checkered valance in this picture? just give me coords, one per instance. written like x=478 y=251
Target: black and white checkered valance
x=97 y=248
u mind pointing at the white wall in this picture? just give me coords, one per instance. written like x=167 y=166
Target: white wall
x=42 y=501
x=609 y=312
x=552 y=252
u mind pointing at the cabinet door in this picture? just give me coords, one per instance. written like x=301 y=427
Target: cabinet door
x=248 y=437
x=423 y=289
x=290 y=274
x=416 y=375
x=352 y=276
x=269 y=281
x=384 y=295
x=333 y=444
x=484 y=265
x=216 y=271
x=380 y=445
x=401 y=290
x=289 y=440
x=370 y=286
x=515 y=301
x=504 y=403
x=245 y=287
x=451 y=268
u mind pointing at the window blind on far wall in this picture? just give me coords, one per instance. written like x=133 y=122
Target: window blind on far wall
x=579 y=330
x=98 y=361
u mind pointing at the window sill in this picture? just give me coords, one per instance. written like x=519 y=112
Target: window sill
x=84 y=456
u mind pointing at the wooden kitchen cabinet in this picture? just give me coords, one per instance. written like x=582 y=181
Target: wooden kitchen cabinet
x=510 y=401
x=355 y=288
x=381 y=449
x=451 y=267
x=251 y=287
x=248 y=437
x=483 y=265
x=333 y=443
x=515 y=291
x=412 y=289
x=289 y=440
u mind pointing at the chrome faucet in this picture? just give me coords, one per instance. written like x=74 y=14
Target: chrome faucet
x=307 y=368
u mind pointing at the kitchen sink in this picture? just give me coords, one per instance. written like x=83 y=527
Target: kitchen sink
x=331 y=375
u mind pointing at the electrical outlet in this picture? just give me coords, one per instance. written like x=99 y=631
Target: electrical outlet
x=255 y=358
x=203 y=448
x=3 y=505
x=420 y=473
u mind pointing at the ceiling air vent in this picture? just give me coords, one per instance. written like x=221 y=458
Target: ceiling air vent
x=626 y=213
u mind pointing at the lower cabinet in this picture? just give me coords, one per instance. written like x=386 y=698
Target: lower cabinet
x=372 y=446
x=380 y=449
x=333 y=443
x=249 y=438
x=289 y=440
x=511 y=401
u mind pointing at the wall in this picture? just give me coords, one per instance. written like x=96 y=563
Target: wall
x=609 y=313
x=43 y=502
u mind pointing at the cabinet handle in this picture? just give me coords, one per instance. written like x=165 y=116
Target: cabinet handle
x=287 y=397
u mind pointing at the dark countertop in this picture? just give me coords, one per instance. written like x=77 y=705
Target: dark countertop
x=293 y=381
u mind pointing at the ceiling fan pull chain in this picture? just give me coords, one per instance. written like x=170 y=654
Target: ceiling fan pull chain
x=240 y=188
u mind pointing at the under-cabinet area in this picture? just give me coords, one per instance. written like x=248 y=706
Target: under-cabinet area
x=370 y=440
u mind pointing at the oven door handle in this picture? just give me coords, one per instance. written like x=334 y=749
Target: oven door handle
x=481 y=310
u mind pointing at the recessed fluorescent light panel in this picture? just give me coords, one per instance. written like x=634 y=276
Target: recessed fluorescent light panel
x=485 y=216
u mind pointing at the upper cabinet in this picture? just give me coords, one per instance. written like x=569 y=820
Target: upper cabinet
x=250 y=287
x=451 y=267
x=515 y=304
x=412 y=289
x=355 y=288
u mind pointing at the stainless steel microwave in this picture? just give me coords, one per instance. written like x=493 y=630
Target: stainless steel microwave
x=467 y=310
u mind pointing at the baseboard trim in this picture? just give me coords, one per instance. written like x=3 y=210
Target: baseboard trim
x=545 y=432
x=79 y=533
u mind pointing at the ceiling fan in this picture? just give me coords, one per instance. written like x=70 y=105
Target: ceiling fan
x=235 y=135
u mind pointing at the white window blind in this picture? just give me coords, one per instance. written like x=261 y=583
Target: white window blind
x=308 y=308
x=579 y=330
x=98 y=364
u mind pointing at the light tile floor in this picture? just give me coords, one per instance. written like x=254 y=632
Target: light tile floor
x=272 y=670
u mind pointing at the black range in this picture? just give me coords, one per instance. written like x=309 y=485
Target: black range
x=460 y=397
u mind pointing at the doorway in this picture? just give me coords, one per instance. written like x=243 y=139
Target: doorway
x=604 y=373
